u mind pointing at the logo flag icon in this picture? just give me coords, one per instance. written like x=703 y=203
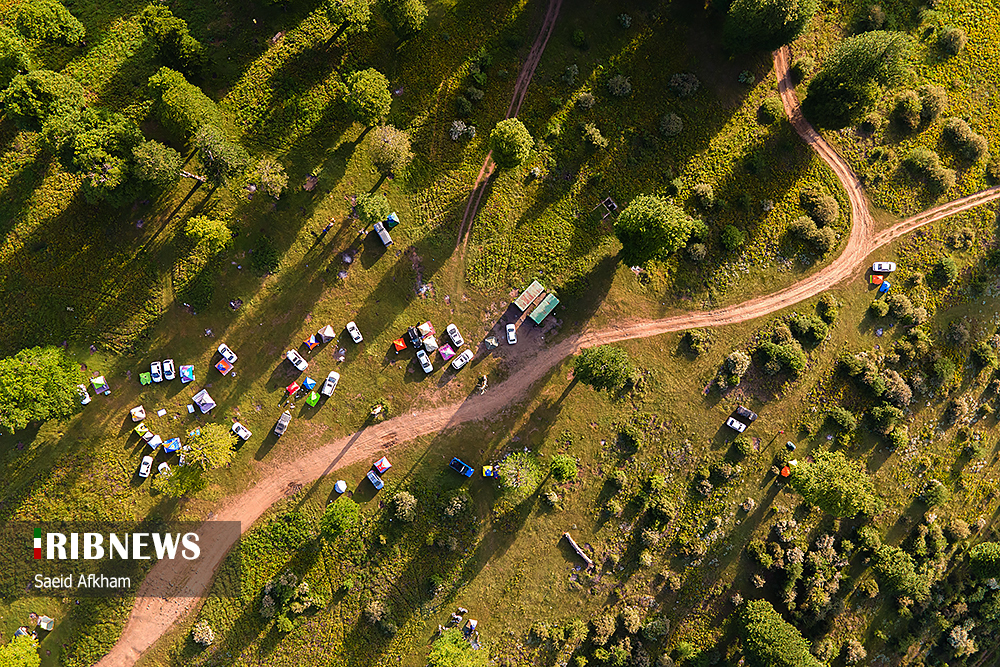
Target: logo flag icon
x=38 y=543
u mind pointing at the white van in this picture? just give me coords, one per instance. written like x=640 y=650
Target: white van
x=383 y=234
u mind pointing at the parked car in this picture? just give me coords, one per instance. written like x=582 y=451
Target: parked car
x=462 y=360
x=736 y=425
x=455 y=337
x=156 y=371
x=282 y=424
x=511 y=334
x=458 y=466
x=749 y=415
x=883 y=267
x=383 y=234
x=375 y=480
x=226 y=353
x=145 y=466
x=241 y=431
x=163 y=468
x=352 y=329
x=425 y=362
x=81 y=390
x=297 y=360
x=168 y=369
x=331 y=383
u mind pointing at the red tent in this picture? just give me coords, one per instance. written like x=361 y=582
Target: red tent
x=399 y=344
x=293 y=387
x=224 y=366
x=786 y=471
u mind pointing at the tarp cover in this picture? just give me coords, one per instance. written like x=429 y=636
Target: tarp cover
x=426 y=329
x=399 y=344
x=100 y=385
x=138 y=413
x=311 y=342
x=430 y=343
x=172 y=445
x=312 y=399
x=187 y=374
x=224 y=366
x=155 y=442
x=309 y=384
x=292 y=388
x=392 y=220
x=529 y=295
x=446 y=352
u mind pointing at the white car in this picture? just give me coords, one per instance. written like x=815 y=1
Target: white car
x=352 y=329
x=282 y=424
x=462 y=360
x=331 y=383
x=455 y=337
x=511 y=334
x=226 y=353
x=736 y=425
x=168 y=369
x=883 y=267
x=145 y=466
x=297 y=360
x=425 y=362
x=241 y=431
x=163 y=468
x=156 y=371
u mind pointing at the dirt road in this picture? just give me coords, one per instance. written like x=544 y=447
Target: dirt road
x=153 y=617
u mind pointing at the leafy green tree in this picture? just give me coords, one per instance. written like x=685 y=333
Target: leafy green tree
x=563 y=468
x=33 y=98
x=836 y=485
x=269 y=177
x=985 y=559
x=511 y=143
x=212 y=448
x=895 y=569
x=368 y=97
x=389 y=150
x=946 y=270
x=764 y=25
x=452 y=650
x=181 y=107
x=213 y=235
x=340 y=516
x=372 y=208
x=651 y=227
x=14 y=58
x=156 y=164
x=170 y=37
x=20 y=652
x=50 y=21
x=407 y=17
x=770 y=641
x=37 y=384
x=222 y=158
x=404 y=506
x=352 y=15
x=605 y=368
x=850 y=81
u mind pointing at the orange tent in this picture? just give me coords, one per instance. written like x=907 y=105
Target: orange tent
x=399 y=344
x=786 y=471
x=877 y=280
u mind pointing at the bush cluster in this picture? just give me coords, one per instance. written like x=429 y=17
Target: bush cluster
x=923 y=163
x=684 y=84
x=788 y=357
x=181 y=107
x=671 y=125
x=970 y=145
x=808 y=328
x=819 y=204
x=805 y=230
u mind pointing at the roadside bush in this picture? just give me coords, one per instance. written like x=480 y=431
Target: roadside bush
x=879 y=308
x=804 y=230
x=671 y=125
x=619 y=85
x=827 y=307
x=50 y=21
x=906 y=111
x=933 y=102
x=969 y=145
x=771 y=109
x=808 y=328
x=684 y=84
x=952 y=40
x=925 y=164
x=563 y=468
x=181 y=107
x=819 y=205
x=801 y=68
x=698 y=341
x=788 y=357
x=340 y=516
x=604 y=368
x=592 y=135
x=732 y=238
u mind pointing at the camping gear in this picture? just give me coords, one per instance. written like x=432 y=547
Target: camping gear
x=426 y=329
x=382 y=465
x=161 y=412
x=46 y=623
x=340 y=486
x=790 y=446
x=489 y=471
x=148 y=435
x=877 y=279
x=327 y=334
x=446 y=352
x=195 y=432
x=311 y=342
x=224 y=366
x=391 y=221
x=155 y=442
x=399 y=344
x=138 y=413
x=203 y=401
x=145 y=378
x=884 y=287
x=190 y=409
x=141 y=429
x=172 y=445
x=187 y=374
x=292 y=388
x=430 y=343
x=100 y=386
x=309 y=384
x=786 y=471
x=312 y=399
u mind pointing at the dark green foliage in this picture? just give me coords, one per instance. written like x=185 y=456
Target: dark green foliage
x=933 y=102
x=14 y=58
x=744 y=446
x=372 y=208
x=578 y=38
x=33 y=98
x=451 y=649
x=837 y=485
x=368 y=97
x=906 y=111
x=764 y=25
x=884 y=418
x=389 y=150
x=605 y=368
x=20 y=652
x=340 y=516
x=946 y=270
x=50 y=21
x=769 y=641
x=808 y=328
x=697 y=340
x=827 y=307
x=943 y=370
x=984 y=355
x=900 y=306
x=895 y=570
x=771 y=109
x=37 y=384
x=511 y=143
x=264 y=257
x=843 y=418
x=407 y=17
x=684 y=84
x=935 y=493
x=952 y=40
x=222 y=158
x=181 y=107
x=869 y=538
x=848 y=85
x=801 y=68
x=925 y=164
x=732 y=238
x=651 y=227
x=805 y=230
x=879 y=308
x=563 y=468
x=352 y=15
x=171 y=39
x=789 y=356
x=970 y=145
x=156 y=164
x=985 y=559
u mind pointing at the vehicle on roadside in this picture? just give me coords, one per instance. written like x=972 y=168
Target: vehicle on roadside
x=454 y=335
x=746 y=413
x=460 y=467
x=330 y=384
x=883 y=267
x=226 y=353
x=156 y=371
x=163 y=468
x=736 y=425
x=352 y=329
x=241 y=431
x=297 y=360
x=383 y=234
x=511 y=334
x=425 y=362
x=282 y=424
x=461 y=360
x=145 y=466
x=168 y=369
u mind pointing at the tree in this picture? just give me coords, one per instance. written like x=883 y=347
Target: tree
x=368 y=96
x=37 y=384
x=212 y=448
x=820 y=205
x=511 y=143
x=563 y=468
x=651 y=227
x=885 y=418
x=372 y=208
x=946 y=270
x=50 y=21
x=213 y=235
x=764 y=25
x=895 y=569
x=14 y=57
x=605 y=368
x=181 y=107
x=732 y=238
x=33 y=98
x=970 y=145
x=349 y=14
x=340 y=516
x=405 y=506
x=407 y=17
x=770 y=641
x=171 y=39
x=20 y=652
x=985 y=559
x=389 y=150
x=269 y=177
x=183 y=481
x=452 y=650
x=222 y=158
x=156 y=164
x=849 y=83
x=836 y=485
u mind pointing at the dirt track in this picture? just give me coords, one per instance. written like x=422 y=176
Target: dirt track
x=153 y=617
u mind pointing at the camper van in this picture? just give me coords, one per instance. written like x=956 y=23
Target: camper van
x=383 y=234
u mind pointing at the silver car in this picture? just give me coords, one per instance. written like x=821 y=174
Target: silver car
x=330 y=384
x=282 y=424
x=297 y=360
x=425 y=362
x=736 y=425
x=455 y=337
x=511 y=334
x=461 y=360
x=168 y=370
x=156 y=371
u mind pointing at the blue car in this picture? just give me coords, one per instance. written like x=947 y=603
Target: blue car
x=375 y=480
x=461 y=468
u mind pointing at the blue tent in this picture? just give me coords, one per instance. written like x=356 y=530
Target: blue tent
x=392 y=220
x=309 y=384
x=172 y=445
x=884 y=287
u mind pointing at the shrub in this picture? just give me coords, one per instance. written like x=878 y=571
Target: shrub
x=933 y=102
x=906 y=111
x=619 y=86
x=737 y=363
x=171 y=39
x=827 y=307
x=579 y=38
x=50 y=21
x=764 y=25
x=451 y=649
x=744 y=446
x=459 y=130
x=704 y=194
x=771 y=109
x=348 y=14
x=879 y=308
x=569 y=76
x=808 y=328
x=684 y=84
x=407 y=17
x=371 y=208
x=732 y=238
x=202 y=633
x=181 y=107
x=563 y=468
x=967 y=143
x=156 y=164
x=511 y=143
x=213 y=236
x=769 y=640
x=585 y=100
x=884 y=418
x=926 y=164
x=985 y=559
x=854 y=652
x=651 y=227
x=896 y=570
x=801 y=68
x=958 y=334
x=984 y=355
x=14 y=57
x=788 y=357
x=222 y=158
x=957 y=409
x=519 y=473
x=697 y=252
x=671 y=125
x=896 y=392
x=843 y=418
x=804 y=229
x=820 y=206
x=935 y=493
x=404 y=506
x=340 y=516
x=592 y=135
x=697 y=340
x=952 y=40
x=269 y=177
x=946 y=270
x=368 y=97
x=604 y=626
x=943 y=370
x=32 y=99
x=900 y=306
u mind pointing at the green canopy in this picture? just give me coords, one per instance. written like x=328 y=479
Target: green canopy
x=312 y=399
x=145 y=378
